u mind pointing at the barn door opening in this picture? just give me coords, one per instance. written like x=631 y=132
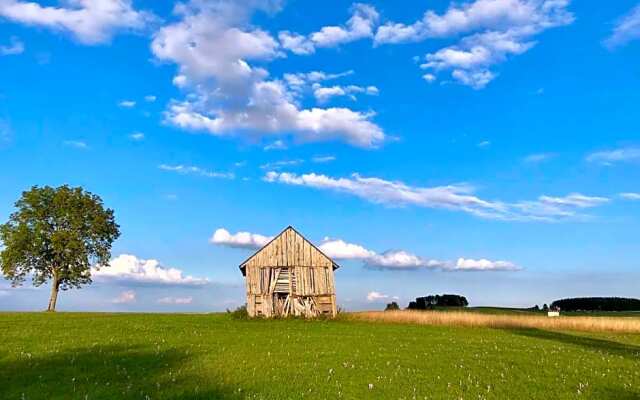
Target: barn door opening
x=281 y=304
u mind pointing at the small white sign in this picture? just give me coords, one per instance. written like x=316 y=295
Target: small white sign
x=553 y=313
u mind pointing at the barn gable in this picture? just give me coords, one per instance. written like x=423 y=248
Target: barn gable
x=288 y=249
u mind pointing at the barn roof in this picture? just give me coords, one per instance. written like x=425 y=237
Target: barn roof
x=243 y=264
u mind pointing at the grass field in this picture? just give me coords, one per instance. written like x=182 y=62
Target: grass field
x=161 y=356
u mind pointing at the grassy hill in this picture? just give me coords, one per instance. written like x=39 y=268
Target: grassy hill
x=161 y=356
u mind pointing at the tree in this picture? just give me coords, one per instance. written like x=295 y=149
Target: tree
x=393 y=306
x=445 y=300
x=597 y=304
x=545 y=307
x=56 y=234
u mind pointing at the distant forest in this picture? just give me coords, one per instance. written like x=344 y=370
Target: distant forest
x=597 y=304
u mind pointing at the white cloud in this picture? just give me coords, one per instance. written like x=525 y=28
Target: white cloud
x=338 y=249
x=470 y=59
x=126 y=297
x=484 y=143
x=127 y=103
x=206 y=43
x=372 y=90
x=341 y=250
x=323 y=94
x=270 y=111
x=276 y=145
x=400 y=259
x=377 y=296
x=361 y=25
x=452 y=197
x=275 y=165
x=479 y=15
x=475 y=79
x=180 y=81
x=538 y=158
x=15 y=46
x=574 y=200
x=89 y=21
x=395 y=193
x=323 y=159
x=150 y=98
x=192 y=170
x=244 y=240
x=137 y=136
x=129 y=269
x=626 y=29
x=554 y=209
x=502 y=28
x=609 y=157
x=77 y=144
x=429 y=77
x=353 y=127
x=214 y=45
x=484 y=265
x=300 y=79
x=296 y=43
x=630 y=196
x=391 y=259
x=176 y=300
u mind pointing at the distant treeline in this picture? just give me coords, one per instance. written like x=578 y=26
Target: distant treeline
x=431 y=301
x=597 y=304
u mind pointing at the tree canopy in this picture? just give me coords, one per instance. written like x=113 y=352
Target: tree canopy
x=597 y=304
x=393 y=306
x=445 y=300
x=56 y=234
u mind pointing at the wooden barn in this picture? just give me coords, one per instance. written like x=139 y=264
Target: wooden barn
x=290 y=276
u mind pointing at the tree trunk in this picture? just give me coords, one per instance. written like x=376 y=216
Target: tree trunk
x=55 y=284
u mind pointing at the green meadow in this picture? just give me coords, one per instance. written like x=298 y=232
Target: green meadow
x=198 y=356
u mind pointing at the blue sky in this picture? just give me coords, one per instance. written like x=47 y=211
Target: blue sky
x=488 y=148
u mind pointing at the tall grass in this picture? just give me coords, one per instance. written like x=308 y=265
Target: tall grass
x=471 y=319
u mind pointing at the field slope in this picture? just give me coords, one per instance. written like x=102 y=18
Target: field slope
x=156 y=356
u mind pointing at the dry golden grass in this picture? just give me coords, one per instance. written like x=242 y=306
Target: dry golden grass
x=471 y=319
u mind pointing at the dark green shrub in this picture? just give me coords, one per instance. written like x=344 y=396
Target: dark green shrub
x=393 y=306
x=239 y=313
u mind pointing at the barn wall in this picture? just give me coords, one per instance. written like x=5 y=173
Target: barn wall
x=303 y=281
x=266 y=306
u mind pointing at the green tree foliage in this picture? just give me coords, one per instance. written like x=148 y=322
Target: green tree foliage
x=597 y=304
x=393 y=306
x=239 y=313
x=56 y=234
x=445 y=300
